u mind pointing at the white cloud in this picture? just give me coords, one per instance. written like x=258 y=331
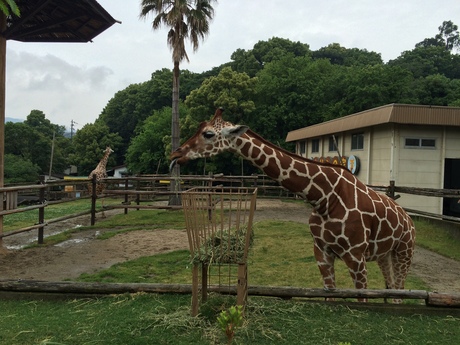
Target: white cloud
x=75 y=81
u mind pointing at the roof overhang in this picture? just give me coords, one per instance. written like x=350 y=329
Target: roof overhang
x=58 y=21
x=391 y=113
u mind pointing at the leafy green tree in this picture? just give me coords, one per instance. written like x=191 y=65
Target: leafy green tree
x=20 y=170
x=263 y=52
x=291 y=93
x=433 y=55
x=89 y=144
x=436 y=89
x=37 y=120
x=129 y=108
x=231 y=90
x=367 y=87
x=448 y=37
x=147 y=153
x=245 y=62
x=339 y=55
x=33 y=139
x=425 y=61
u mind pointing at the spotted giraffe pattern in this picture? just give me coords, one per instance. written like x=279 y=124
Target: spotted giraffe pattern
x=100 y=173
x=349 y=220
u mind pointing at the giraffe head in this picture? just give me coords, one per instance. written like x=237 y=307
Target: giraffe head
x=108 y=150
x=212 y=138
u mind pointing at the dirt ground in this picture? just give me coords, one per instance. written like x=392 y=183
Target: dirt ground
x=84 y=254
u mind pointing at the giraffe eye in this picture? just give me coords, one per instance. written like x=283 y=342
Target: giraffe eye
x=208 y=134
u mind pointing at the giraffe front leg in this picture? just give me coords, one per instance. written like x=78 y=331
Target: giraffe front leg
x=325 y=261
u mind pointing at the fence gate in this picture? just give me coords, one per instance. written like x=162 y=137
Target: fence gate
x=219 y=229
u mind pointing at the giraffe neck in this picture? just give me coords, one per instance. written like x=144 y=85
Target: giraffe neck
x=103 y=163
x=300 y=175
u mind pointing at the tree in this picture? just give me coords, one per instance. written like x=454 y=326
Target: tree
x=448 y=32
x=9 y=7
x=436 y=89
x=186 y=19
x=89 y=144
x=263 y=52
x=229 y=89
x=147 y=152
x=32 y=140
x=362 y=88
x=20 y=170
x=339 y=55
x=291 y=93
x=130 y=107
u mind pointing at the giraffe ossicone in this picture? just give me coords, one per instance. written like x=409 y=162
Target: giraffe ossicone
x=349 y=220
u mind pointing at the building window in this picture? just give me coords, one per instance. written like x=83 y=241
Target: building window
x=357 y=141
x=333 y=144
x=420 y=143
x=315 y=146
x=302 y=147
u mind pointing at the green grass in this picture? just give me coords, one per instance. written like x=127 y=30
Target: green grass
x=165 y=319
x=445 y=241
x=154 y=219
x=282 y=255
x=27 y=218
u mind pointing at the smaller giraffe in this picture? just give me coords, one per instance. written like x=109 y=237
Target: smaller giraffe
x=101 y=173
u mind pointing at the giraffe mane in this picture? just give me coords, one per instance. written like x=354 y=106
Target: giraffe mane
x=292 y=154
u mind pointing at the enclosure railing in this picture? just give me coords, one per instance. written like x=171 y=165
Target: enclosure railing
x=138 y=192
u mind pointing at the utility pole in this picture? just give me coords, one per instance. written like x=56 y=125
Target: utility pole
x=72 y=123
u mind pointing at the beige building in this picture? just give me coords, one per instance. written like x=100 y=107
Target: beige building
x=413 y=145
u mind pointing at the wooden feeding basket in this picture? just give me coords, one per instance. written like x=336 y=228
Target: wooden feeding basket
x=219 y=229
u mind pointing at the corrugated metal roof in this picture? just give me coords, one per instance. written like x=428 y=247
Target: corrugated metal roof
x=58 y=21
x=391 y=113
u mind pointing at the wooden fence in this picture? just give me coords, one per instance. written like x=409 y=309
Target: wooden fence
x=433 y=299
x=136 y=192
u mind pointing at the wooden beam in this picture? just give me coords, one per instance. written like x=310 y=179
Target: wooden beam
x=2 y=115
x=68 y=287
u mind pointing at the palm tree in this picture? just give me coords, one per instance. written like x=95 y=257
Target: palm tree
x=186 y=20
x=8 y=7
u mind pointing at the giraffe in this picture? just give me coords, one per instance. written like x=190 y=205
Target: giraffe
x=349 y=220
x=100 y=173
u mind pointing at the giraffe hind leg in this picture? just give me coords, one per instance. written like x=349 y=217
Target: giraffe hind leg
x=358 y=271
x=386 y=267
x=325 y=262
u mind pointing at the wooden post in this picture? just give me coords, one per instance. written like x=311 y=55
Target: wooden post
x=138 y=196
x=242 y=287
x=195 y=290
x=2 y=116
x=41 y=211
x=93 y=200
x=126 y=195
x=204 y=282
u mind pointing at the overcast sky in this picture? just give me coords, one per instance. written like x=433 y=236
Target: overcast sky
x=74 y=81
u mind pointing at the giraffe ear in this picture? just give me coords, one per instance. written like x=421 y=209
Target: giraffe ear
x=234 y=131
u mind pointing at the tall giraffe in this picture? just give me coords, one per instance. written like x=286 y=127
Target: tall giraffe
x=349 y=220
x=101 y=173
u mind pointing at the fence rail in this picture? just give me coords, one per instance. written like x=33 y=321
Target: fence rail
x=432 y=299
x=135 y=191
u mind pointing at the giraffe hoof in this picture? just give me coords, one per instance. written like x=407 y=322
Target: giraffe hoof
x=326 y=289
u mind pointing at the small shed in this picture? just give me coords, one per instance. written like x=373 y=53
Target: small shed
x=413 y=145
